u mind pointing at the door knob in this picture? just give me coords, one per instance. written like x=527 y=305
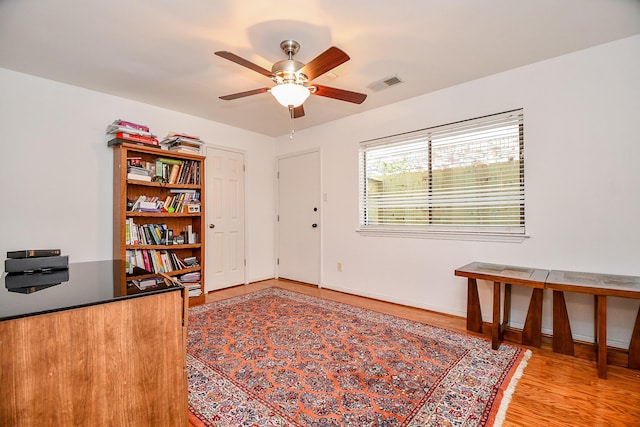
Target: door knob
x=212 y=226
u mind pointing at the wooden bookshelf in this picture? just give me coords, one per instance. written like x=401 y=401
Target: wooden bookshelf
x=127 y=191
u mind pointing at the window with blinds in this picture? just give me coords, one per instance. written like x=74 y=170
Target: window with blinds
x=464 y=177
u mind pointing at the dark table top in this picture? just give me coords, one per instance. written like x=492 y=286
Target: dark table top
x=83 y=284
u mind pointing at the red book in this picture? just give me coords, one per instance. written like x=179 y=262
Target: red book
x=138 y=138
x=147 y=264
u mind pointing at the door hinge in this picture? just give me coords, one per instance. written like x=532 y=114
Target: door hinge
x=243 y=168
x=245 y=262
x=278 y=218
x=277 y=261
x=278 y=174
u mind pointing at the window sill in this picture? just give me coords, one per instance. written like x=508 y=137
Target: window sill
x=445 y=235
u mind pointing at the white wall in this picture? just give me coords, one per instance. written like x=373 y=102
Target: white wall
x=581 y=115
x=57 y=179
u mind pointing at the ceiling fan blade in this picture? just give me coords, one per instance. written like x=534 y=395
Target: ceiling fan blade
x=241 y=61
x=243 y=94
x=341 y=94
x=324 y=62
x=298 y=111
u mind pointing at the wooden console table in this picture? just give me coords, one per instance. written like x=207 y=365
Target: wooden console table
x=601 y=286
x=509 y=275
x=81 y=351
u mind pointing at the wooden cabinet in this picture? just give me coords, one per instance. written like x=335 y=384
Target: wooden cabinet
x=117 y=363
x=184 y=219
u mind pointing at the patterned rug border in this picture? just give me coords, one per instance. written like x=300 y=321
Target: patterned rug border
x=493 y=415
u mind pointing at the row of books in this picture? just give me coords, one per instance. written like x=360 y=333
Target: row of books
x=148 y=234
x=175 y=171
x=177 y=201
x=172 y=171
x=155 y=261
x=157 y=234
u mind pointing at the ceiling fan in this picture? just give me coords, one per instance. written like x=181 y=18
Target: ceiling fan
x=292 y=78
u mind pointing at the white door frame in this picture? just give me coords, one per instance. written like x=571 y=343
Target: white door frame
x=246 y=214
x=320 y=201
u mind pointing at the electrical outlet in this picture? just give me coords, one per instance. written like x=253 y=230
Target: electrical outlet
x=339 y=266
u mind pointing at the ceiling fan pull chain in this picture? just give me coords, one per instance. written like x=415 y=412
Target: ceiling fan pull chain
x=291 y=121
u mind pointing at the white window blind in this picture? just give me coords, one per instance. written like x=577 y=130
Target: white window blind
x=463 y=177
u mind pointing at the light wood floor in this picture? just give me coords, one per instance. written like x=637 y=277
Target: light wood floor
x=555 y=390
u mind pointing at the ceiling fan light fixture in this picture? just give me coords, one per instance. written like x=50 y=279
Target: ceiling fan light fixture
x=290 y=94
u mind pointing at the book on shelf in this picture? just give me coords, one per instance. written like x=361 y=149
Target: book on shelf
x=169 y=161
x=145 y=284
x=170 y=280
x=138 y=177
x=188 y=234
x=139 y=170
x=137 y=138
x=172 y=203
x=194 y=290
x=191 y=277
x=119 y=123
x=190 y=261
x=154 y=260
x=33 y=253
x=183 y=149
x=134 y=161
x=139 y=141
x=126 y=131
x=174 y=138
x=174 y=173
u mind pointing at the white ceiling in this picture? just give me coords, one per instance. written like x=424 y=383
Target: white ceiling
x=160 y=52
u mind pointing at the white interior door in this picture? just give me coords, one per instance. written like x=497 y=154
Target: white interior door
x=299 y=217
x=225 y=252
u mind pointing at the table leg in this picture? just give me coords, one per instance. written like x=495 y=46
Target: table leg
x=495 y=327
x=474 y=312
x=601 y=337
x=532 y=332
x=506 y=312
x=634 y=345
x=562 y=338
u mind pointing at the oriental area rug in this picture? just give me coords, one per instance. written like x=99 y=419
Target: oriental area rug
x=280 y=358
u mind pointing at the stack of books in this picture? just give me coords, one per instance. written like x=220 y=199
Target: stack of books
x=190 y=261
x=135 y=170
x=32 y=270
x=191 y=281
x=194 y=289
x=125 y=131
x=182 y=143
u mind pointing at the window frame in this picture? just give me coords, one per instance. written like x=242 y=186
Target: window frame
x=506 y=233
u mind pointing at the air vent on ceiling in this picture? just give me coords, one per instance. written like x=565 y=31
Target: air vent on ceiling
x=385 y=83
